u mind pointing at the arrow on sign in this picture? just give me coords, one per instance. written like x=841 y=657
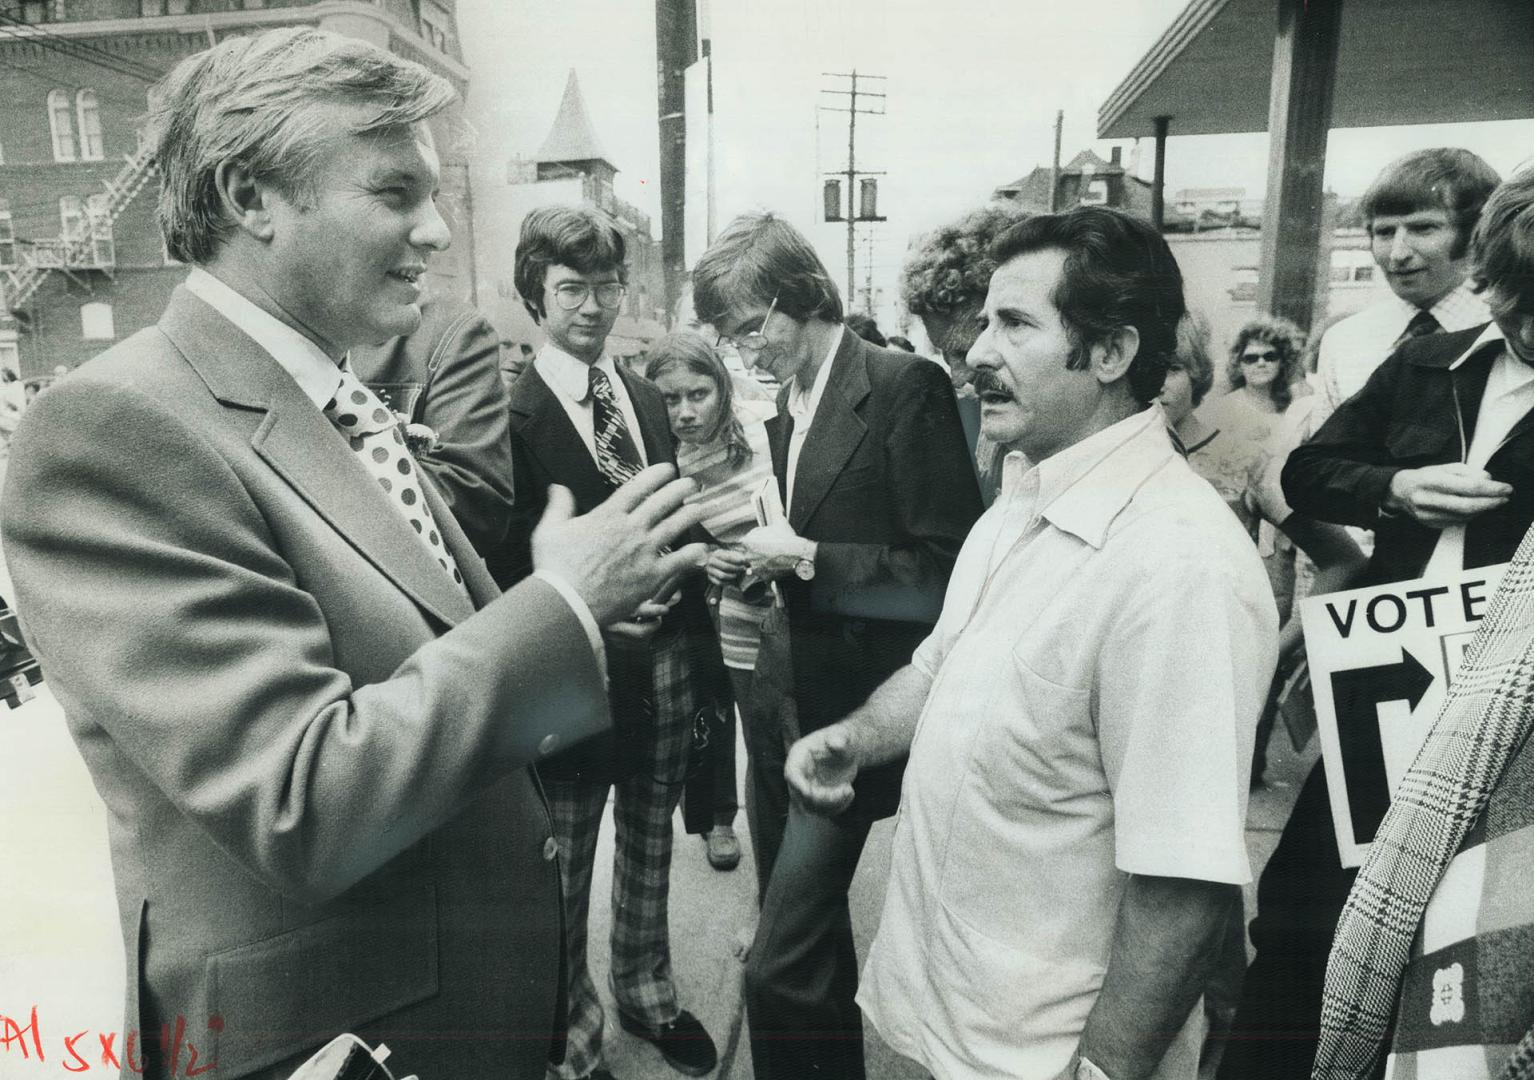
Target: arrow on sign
x=1357 y=694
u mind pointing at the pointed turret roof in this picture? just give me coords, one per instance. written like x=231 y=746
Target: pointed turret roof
x=572 y=138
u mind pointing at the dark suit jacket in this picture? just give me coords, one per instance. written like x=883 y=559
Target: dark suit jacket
x=1405 y=418
x=310 y=744
x=546 y=449
x=447 y=375
x=886 y=487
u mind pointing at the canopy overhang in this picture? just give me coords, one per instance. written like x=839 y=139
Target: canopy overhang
x=1398 y=62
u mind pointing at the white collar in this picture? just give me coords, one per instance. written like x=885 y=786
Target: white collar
x=1084 y=487
x=568 y=376
x=316 y=374
x=806 y=406
x=1493 y=332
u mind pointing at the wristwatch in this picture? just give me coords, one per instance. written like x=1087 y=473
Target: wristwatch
x=804 y=569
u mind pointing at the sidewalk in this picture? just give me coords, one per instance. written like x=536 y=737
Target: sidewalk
x=62 y=950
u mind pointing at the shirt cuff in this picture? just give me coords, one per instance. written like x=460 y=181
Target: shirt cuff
x=583 y=614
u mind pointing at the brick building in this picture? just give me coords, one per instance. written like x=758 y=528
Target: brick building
x=82 y=263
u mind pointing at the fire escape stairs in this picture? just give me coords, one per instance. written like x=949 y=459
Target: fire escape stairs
x=22 y=283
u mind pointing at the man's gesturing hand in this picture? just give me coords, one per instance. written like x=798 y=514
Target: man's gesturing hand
x=820 y=770
x=1442 y=495
x=613 y=556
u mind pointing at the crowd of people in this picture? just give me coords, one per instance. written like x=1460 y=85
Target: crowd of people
x=360 y=626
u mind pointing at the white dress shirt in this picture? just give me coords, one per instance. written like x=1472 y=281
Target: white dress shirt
x=570 y=379
x=1508 y=398
x=802 y=408
x=1353 y=347
x=318 y=376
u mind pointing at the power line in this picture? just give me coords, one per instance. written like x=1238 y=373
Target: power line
x=83 y=46
x=32 y=33
x=53 y=82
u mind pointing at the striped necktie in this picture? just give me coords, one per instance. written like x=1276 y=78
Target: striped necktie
x=617 y=456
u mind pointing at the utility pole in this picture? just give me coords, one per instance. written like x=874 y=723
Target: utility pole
x=676 y=49
x=869 y=208
x=868 y=274
x=1054 y=169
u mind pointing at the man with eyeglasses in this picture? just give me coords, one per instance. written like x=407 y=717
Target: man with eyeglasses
x=870 y=458
x=580 y=421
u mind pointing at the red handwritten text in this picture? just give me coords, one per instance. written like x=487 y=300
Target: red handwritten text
x=75 y=1052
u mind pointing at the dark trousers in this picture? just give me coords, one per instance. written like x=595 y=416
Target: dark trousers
x=767 y=737
x=802 y=977
x=722 y=763
x=1299 y=900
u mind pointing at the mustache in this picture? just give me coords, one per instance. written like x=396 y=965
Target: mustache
x=986 y=382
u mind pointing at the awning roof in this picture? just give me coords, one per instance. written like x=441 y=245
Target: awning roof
x=1399 y=62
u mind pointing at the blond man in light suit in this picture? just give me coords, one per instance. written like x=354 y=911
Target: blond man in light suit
x=308 y=711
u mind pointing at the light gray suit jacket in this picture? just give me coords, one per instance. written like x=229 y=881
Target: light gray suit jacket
x=312 y=748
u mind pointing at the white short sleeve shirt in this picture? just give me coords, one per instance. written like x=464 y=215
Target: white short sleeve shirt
x=1103 y=654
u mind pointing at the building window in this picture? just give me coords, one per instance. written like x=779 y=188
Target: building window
x=89 y=115
x=61 y=123
x=7 y=236
x=41 y=11
x=248 y=4
x=98 y=213
x=96 y=321
x=434 y=23
x=98 y=217
x=164 y=7
x=71 y=218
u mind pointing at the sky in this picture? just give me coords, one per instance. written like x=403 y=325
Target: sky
x=972 y=89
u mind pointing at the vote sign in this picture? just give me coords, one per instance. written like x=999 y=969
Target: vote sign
x=1382 y=660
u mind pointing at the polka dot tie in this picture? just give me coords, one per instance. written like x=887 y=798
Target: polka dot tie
x=374 y=434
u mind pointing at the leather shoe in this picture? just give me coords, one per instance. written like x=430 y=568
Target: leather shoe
x=683 y=1042
x=723 y=847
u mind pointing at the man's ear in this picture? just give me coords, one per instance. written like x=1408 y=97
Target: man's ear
x=244 y=200
x=1112 y=355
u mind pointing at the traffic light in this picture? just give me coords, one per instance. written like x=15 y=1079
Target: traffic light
x=868 y=199
x=831 y=194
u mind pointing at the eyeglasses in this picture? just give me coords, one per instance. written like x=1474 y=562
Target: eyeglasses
x=756 y=340
x=572 y=294
x=1269 y=357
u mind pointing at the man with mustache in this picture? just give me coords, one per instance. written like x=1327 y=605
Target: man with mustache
x=1080 y=722
x=870 y=460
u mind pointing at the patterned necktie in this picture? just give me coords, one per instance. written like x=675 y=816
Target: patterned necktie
x=1422 y=324
x=373 y=432
x=617 y=456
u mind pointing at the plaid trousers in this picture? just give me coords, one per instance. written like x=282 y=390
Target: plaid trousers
x=1485 y=720
x=642 y=813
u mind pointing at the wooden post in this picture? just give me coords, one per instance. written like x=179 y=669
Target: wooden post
x=676 y=48
x=1299 y=118
x=1158 y=182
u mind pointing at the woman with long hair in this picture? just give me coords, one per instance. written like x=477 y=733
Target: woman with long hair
x=722 y=444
